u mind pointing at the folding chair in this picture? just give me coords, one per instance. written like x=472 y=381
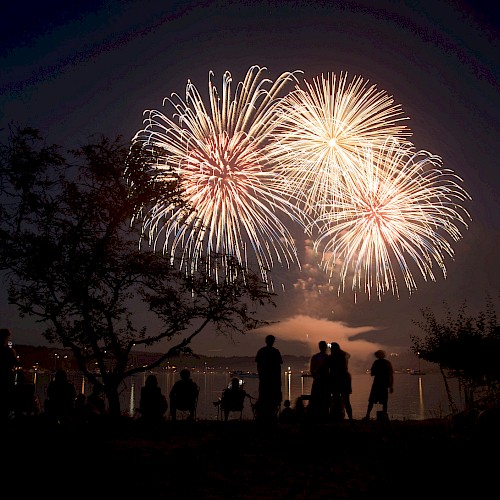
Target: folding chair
x=183 y=404
x=231 y=401
x=183 y=411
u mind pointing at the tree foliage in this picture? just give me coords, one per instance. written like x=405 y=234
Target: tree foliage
x=70 y=228
x=465 y=347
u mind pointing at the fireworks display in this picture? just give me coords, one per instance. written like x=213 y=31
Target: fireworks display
x=324 y=128
x=401 y=207
x=218 y=156
x=333 y=156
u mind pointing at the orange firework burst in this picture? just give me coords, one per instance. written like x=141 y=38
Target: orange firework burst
x=401 y=207
x=322 y=130
x=334 y=157
x=218 y=156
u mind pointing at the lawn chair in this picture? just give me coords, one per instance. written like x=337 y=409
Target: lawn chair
x=232 y=400
x=183 y=411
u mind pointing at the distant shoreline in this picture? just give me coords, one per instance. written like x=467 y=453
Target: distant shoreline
x=50 y=358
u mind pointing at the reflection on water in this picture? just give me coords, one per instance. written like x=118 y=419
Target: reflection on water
x=131 y=404
x=414 y=397
x=421 y=398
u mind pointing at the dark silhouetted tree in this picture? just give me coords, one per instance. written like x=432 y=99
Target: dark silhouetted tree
x=70 y=228
x=464 y=347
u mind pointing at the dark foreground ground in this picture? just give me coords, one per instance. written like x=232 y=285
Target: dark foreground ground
x=245 y=460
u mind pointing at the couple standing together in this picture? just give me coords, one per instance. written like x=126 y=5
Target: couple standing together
x=331 y=381
x=331 y=387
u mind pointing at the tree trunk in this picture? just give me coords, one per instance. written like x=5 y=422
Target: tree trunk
x=113 y=402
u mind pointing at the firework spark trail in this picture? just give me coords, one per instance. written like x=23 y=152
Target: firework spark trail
x=333 y=157
x=227 y=180
x=403 y=206
x=322 y=129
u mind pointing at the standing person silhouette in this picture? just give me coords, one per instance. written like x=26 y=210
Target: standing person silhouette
x=8 y=365
x=340 y=382
x=320 y=389
x=269 y=363
x=383 y=383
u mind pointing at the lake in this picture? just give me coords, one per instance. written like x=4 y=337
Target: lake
x=415 y=397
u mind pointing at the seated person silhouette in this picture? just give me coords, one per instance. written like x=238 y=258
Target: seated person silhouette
x=96 y=403
x=287 y=414
x=184 y=395
x=153 y=404
x=233 y=398
x=59 y=405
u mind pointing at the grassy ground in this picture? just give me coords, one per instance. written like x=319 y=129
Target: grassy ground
x=247 y=460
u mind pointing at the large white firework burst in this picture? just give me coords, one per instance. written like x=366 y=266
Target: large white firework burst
x=217 y=155
x=322 y=129
x=401 y=211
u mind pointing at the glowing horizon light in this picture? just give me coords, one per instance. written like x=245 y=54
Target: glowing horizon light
x=322 y=129
x=217 y=154
x=403 y=205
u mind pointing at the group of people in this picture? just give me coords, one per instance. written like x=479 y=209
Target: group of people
x=183 y=396
x=332 y=384
x=18 y=395
x=62 y=403
x=329 y=398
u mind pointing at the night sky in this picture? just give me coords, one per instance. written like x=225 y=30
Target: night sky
x=73 y=69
